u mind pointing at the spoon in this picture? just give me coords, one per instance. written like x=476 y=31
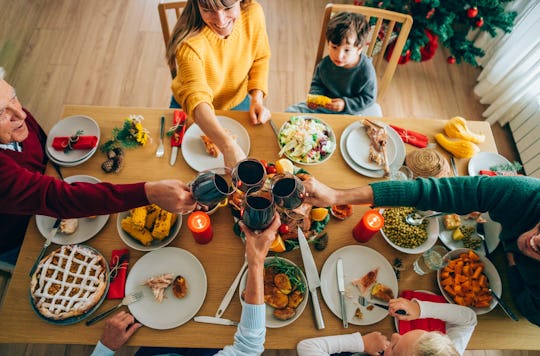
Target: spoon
x=416 y=219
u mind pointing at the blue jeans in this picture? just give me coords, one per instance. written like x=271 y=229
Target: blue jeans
x=243 y=106
x=150 y=351
x=10 y=256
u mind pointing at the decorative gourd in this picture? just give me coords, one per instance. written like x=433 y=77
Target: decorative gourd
x=459 y=148
x=457 y=128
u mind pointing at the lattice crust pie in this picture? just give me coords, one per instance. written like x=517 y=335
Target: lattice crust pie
x=69 y=282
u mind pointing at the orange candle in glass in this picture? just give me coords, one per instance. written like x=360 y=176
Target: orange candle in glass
x=371 y=222
x=200 y=226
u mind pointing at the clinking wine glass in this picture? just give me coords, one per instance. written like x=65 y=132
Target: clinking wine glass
x=249 y=173
x=210 y=187
x=288 y=191
x=258 y=209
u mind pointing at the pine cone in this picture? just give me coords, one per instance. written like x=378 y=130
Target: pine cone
x=108 y=165
x=321 y=242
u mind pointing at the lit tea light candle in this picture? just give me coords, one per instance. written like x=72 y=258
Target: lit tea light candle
x=200 y=226
x=371 y=222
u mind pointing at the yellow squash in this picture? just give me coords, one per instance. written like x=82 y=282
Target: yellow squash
x=457 y=128
x=459 y=148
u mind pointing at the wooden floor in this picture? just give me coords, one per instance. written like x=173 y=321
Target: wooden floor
x=104 y=52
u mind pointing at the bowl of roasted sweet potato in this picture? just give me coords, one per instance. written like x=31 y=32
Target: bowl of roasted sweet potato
x=148 y=227
x=467 y=278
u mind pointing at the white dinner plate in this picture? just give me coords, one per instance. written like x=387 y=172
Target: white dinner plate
x=357 y=261
x=358 y=147
x=74 y=163
x=68 y=127
x=271 y=321
x=485 y=160
x=492 y=230
x=392 y=134
x=88 y=227
x=489 y=270
x=172 y=311
x=193 y=148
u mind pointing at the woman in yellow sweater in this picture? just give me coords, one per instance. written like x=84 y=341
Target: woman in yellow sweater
x=221 y=52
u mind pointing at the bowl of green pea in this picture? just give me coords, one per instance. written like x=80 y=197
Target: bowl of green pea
x=407 y=238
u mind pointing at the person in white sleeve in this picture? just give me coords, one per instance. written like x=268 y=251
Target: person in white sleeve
x=460 y=324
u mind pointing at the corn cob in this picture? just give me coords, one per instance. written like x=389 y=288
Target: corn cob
x=143 y=235
x=319 y=100
x=152 y=213
x=162 y=226
x=138 y=217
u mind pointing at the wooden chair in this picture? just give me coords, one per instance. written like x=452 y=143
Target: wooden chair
x=169 y=12
x=380 y=38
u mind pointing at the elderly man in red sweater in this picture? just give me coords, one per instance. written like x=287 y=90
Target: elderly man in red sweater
x=25 y=190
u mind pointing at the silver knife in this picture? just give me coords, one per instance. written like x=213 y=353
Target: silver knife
x=480 y=232
x=504 y=307
x=214 y=320
x=274 y=128
x=228 y=296
x=454 y=168
x=341 y=289
x=174 y=153
x=45 y=245
x=312 y=277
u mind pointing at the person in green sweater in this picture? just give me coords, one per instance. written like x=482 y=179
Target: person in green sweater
x=514 y=202
x=220 y=54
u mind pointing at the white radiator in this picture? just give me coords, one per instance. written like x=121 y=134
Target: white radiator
x=510 y=81
x=525 y=127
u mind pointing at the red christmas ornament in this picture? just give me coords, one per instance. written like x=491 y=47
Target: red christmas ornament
x=428 y=51
x=451 y=59
x=479 y=22
x=417 y=1
x=472 y=12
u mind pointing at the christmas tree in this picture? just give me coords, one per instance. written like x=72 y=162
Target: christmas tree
x=448 y=22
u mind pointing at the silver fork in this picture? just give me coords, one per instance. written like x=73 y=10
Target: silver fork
x=128 y=299
x=161 y=149
x=365 y=302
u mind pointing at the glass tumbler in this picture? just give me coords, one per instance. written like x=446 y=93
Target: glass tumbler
x=249 y=173
x=288 y=191
x=210 y=187
x=258 y=209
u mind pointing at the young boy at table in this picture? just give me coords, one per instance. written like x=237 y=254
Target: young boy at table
x=345 y=76
x=25 y=190
x=512 y=201
x=250 y=335
x=460 y=324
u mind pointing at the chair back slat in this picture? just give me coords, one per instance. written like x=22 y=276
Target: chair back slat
x=169 y=12
x=393 y=26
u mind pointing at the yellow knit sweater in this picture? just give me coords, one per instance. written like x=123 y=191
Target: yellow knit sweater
x=221 y=71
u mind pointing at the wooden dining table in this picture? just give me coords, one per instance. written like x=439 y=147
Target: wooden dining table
x=222 y=258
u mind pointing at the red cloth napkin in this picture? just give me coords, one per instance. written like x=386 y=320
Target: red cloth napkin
x=118 y=267
x=412 y=137
x=428 y=324
x=83 y=143
x=179 y=122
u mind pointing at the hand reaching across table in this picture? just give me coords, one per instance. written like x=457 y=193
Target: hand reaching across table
x=118 y=329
